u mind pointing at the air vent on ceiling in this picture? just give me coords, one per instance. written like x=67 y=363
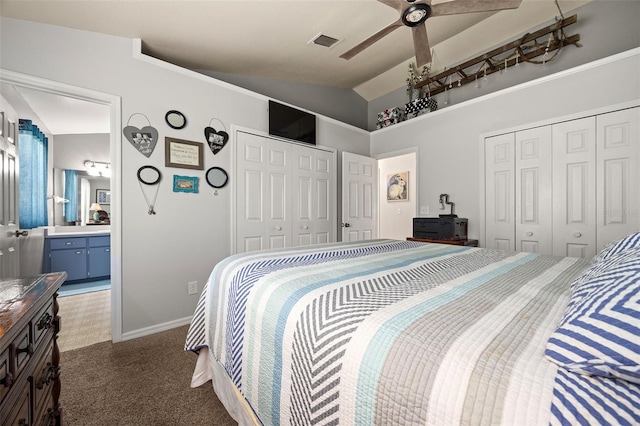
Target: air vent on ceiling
x=324 y=40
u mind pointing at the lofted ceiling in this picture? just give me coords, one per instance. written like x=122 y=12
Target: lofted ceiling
x=271 y=39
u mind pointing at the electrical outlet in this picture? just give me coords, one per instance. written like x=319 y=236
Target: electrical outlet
x=424 y=210
x=193 y=287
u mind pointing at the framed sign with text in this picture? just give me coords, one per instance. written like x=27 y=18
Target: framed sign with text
x=183 y=154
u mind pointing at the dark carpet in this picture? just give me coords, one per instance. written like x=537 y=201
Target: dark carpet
x=143 y=381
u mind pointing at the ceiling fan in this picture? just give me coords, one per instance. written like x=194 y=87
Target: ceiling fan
x=413 y=14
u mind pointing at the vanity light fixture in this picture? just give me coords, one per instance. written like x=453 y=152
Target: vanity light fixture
x=97 y=168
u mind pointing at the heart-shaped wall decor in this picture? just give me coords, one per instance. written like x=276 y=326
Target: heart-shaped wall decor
x=216 y=140
x=144 y=140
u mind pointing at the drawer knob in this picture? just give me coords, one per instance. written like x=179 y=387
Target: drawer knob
x=45 y=321
x=49 y=374
x=7 y=381
x=28 y=349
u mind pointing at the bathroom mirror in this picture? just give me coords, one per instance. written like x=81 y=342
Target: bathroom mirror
x=217 y=177
x=175 y=119
x=86 y=193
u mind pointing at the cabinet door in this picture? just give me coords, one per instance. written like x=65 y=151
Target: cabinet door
x=574 y=188
x=73 y=262
x=499 y=190
x=99 y=262
x=533 y=191
x=618 y=176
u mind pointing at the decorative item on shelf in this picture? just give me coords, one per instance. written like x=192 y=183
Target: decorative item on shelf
x=216 y=139
x=420 y=106
x=149 y=175
x=144 y=139
x=413 y=79
x=96 y=207
x=390 y=116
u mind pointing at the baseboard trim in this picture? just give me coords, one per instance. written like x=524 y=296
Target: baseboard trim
x=156 y=329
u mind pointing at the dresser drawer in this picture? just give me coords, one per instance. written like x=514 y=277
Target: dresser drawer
x=6 y=378
x=42 y=322
x=22 y=349
x=18 y=414
x=42 y=380
x=101 y=241
x=67 y=243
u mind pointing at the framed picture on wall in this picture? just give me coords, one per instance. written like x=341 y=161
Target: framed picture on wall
x=103 y=196
x=398 y=186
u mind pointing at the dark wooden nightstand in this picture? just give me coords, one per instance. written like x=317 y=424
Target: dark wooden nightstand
x=470 y=243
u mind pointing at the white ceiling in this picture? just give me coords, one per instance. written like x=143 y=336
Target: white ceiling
x=270 y=39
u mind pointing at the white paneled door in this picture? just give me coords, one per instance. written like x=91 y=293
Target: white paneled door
x=618 y=169
x=533 y=190
x=574 y=188
x=359 y=197
x=500 y=193
x=9 y=243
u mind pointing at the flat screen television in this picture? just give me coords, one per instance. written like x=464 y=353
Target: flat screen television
x=291 y=123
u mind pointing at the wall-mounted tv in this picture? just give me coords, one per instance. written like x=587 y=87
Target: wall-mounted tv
x=291 y=123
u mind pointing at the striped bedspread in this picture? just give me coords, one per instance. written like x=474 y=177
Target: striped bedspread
x=388 y=332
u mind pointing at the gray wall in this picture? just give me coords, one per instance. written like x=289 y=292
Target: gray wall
x=605 y=28
x=190 y=233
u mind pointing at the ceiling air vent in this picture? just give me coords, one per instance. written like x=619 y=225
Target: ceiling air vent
x=324 y=40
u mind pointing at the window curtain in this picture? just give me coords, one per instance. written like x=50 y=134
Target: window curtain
x=71 y=194
x=33 y=154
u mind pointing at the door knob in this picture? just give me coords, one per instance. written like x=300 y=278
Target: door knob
x=346 y=225
x=577 y=234
x=22 y=233
x=305 y=227
x=278 y=228
x=529 y=234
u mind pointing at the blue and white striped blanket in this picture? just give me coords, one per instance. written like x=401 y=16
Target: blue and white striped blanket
x=388 y=332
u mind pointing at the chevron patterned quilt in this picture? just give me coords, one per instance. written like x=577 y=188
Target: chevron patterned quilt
x=391 y=332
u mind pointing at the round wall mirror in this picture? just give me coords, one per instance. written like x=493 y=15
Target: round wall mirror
x=175 y=119
x=217 y=177
x=149 y=175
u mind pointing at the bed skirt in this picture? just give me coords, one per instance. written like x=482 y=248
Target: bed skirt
x=207 y=368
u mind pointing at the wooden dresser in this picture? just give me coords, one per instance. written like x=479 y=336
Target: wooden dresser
x=29 y=353
x=470 y=243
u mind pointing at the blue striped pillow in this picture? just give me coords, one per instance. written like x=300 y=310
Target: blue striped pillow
x=616 y=247
x=599 y=333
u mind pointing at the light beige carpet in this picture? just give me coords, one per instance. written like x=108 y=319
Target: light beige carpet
x=144 y=381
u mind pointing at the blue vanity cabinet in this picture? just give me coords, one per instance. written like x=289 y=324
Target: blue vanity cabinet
x=81 y=257
x=99 y=256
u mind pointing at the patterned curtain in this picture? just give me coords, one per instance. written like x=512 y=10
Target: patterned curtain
x=32 y=151
x=71 y=194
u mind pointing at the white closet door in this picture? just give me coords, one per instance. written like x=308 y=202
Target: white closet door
x=574 y=188
x=618 y=138
x=313 y=196
x=499 y=182
x=263 y=201
x=533 y=191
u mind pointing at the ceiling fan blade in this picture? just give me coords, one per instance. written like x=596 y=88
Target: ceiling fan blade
x=470 y=6
x=371 y=40
x=421 y=45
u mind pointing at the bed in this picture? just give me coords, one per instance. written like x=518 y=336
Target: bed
x=389 y=332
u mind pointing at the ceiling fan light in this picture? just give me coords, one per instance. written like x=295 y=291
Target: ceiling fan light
x=416 y=14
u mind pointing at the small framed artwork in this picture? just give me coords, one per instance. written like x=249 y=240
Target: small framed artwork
x=103 y=196
x=184 y=154
x=398 y=186
x=185 y=184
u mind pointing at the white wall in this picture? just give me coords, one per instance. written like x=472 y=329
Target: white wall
x=190 y=232
x=449 y=139
x=396 y=217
